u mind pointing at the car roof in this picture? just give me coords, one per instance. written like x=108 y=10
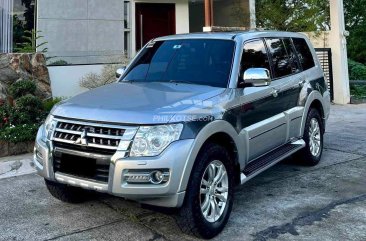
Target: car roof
x=232 y=35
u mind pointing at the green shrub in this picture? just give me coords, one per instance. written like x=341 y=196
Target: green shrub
x=20 y=133
x=28 y=109
x=357 y=71
x=5 y=111
x=22 y=88
x=358 y=91
x=50 y=103
x=21 y=122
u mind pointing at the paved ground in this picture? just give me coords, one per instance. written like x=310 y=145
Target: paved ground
x=287 y=202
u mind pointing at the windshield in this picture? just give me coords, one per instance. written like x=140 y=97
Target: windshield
x=192 y=61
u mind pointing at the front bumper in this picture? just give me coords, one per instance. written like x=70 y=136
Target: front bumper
x=174 y=159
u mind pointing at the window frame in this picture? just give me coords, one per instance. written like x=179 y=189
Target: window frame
x=296 y=53
x=310 y=51
x=242 y=53
x=271 y=60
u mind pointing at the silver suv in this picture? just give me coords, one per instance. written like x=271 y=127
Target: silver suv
x=190 y=118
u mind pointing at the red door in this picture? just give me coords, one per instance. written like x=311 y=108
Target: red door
x=153 y=20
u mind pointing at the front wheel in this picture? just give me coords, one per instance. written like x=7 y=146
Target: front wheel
x=313 y=137
x=209 y=195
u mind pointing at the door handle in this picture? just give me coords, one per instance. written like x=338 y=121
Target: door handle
x=274 y=93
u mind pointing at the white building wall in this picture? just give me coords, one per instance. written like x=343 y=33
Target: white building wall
x=338 y=43
x=81 y=31
x=65 y=79
x=89 y=32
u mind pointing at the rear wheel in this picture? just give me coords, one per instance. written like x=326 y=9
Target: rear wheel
x=67 y=193
x=209 y=195
x=313 y=137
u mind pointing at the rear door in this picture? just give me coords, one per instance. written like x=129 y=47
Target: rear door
x=288 y=76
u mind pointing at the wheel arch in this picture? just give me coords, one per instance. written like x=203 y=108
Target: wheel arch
x=225 y=140
x=222 y=133
x=314 y=100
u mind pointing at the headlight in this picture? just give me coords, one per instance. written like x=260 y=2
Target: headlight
x=152 y=140
x=49 y=126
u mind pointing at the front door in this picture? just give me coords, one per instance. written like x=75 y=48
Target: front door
x=153 y=20
x=262 y=118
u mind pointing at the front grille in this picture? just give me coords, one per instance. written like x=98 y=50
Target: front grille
x=83 y=167
x=93 y=136
x=84 y=149
x=87 y=149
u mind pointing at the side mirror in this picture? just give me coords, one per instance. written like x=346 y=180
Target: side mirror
x=120 y=72
x=257 y=77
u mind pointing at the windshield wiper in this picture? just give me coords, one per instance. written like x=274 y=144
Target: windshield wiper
x=181 y=82
x=127 y=81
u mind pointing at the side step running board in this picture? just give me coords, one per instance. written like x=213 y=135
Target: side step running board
x=268 y=160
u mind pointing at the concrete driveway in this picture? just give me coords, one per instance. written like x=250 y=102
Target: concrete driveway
x=287 y=202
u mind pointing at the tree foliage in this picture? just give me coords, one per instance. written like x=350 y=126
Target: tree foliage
x=355 y=17
x=293 y=15
x=313 y=15
x=354 y=12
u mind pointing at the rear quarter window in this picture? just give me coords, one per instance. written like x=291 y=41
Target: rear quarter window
x=304 y=54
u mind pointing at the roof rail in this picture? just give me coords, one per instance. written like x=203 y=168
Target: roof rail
x=223 y=29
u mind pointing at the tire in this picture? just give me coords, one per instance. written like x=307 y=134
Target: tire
x=67 y=194
x=191 y=219
x=311 y=155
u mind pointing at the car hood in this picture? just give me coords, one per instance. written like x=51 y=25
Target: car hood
x=136 y=103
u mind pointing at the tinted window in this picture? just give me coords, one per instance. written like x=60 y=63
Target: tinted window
x=254 y=56
x=291 y=53
x=303 y=53
x=280 y=61
x=195 y=61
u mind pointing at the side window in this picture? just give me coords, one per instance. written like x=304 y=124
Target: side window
x=280 y=61
x=304 y=54
x=254 y=56
x=294 y=61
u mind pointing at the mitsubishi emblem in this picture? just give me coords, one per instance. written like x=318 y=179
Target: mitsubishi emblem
x=82 y=139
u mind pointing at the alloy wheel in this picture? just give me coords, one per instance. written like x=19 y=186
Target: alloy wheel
x=214 y=191
x=314 y=137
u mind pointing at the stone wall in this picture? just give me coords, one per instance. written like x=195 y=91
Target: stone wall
x=12 y=149
x=15 y=67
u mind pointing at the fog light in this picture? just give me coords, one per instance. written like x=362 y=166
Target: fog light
x=146 y=176
x=157 y=177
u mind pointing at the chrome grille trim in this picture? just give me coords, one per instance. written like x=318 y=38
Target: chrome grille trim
x=99 y=135
x=83 y=154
